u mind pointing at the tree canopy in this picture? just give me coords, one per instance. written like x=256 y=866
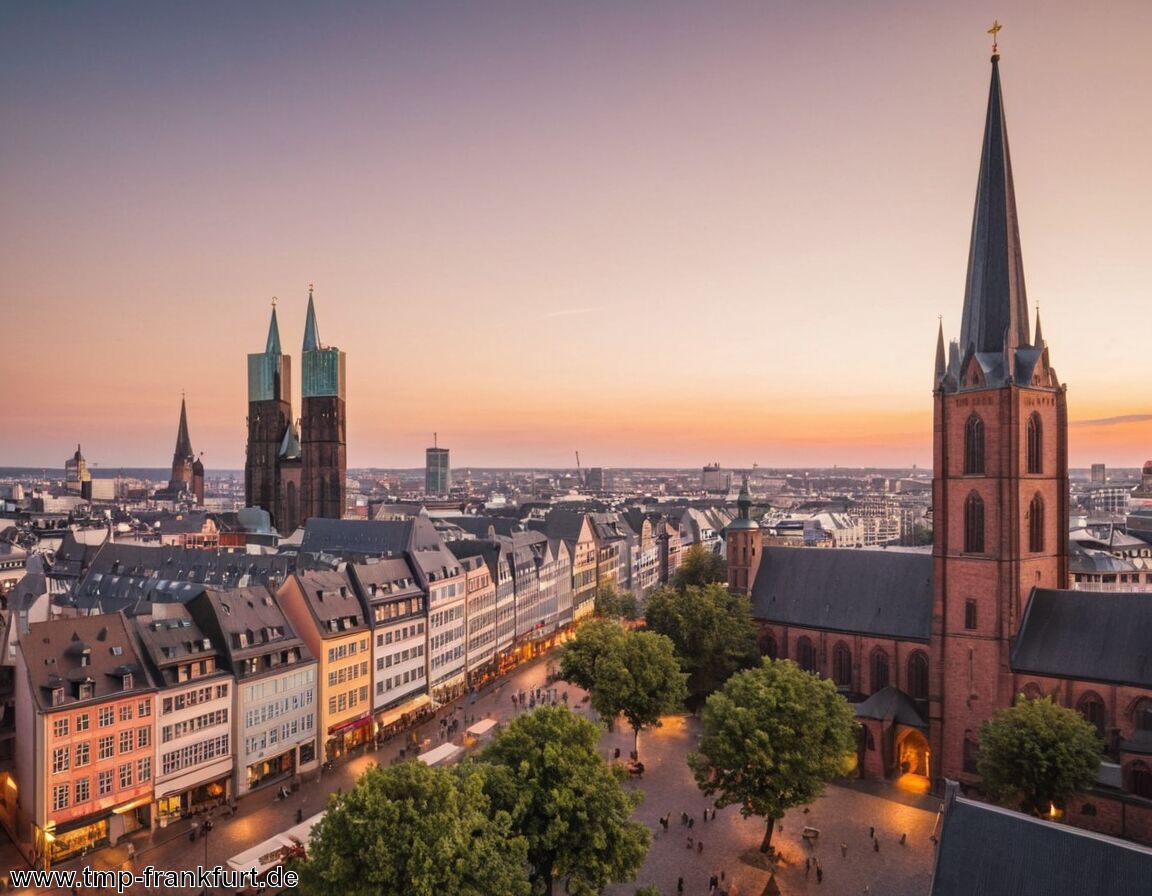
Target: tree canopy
x=413 y=829
x=634 y=673
x=1037 y=753
x=613 y=603
x=711 y=629
x=772 y=738
x=699 y=566
x=545 y=771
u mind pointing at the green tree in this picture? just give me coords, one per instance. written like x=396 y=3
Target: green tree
x=594 y=638
x=773 y=737
x=699 y=567
x=640 y=679
x=545 y=771
x=712 y=630
x=613 y=603
x=413 y=829
x=631 y=672
x=1037 y=753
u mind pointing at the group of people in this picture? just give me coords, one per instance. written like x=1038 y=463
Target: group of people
x=544 y=696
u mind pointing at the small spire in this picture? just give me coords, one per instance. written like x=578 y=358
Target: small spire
x=273 y=346
x=183 y=443
x=744 y=501
x=311 y=332
x=940 y=362
x=1039 y=343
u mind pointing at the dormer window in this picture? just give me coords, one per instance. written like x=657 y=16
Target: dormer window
x=127 y=681
x=57 y=696
x=84 y=691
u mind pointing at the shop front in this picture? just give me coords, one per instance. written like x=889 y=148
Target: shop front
x=183 y=798
x=347 y=736
x=392 y=720
x=268 y=771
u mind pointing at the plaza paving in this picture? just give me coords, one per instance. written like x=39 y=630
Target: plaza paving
x=843 y=815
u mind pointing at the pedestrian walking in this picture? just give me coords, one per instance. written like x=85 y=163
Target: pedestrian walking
x=871 y=833
x=699 y=847
x=876 y=846
x=691 y=822
x=691 y=842
x=844 y=850
x=808 y=866
x=679 y=885
x=904 y=838
x=819 y=875
x=683 y=818
x=713 y=813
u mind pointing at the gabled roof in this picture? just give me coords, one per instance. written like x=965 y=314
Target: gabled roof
x=995 y=852
x=566 y=524
x=415 y=537
x=97 y=650
x=867 y=592
x=1102 y=636
x=891 y=704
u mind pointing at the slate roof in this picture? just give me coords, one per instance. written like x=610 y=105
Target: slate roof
x=63 y=653
x=332 y=600
x=1103 y=636
x=378 y=538
x=893 y=704
x=172 y=640
x=991 y=851
x=879 y=593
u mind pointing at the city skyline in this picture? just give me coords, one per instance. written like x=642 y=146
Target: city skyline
x=656 y=235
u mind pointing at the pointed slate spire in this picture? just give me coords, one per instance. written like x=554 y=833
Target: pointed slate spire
x=1039 y=341
x=940 y=362
x=311 y=333
x=183 y=443
x=273 y=347
x=995 y=303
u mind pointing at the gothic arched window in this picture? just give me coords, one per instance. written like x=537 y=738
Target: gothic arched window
x=974 y=524
x=842 y=665
x=1138 y=780
x=768 y=645
x=1142 y=715
x=1035 y=445
x=806 y=654
x=1092 y=708
x=974 y=445
x=918 y=676
x=1036 y=525
x=879 y=670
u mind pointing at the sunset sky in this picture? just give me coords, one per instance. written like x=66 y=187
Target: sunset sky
x=658 y=233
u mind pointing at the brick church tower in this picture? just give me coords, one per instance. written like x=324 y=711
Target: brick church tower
x=187 y=472
x=742 y=536
x=269 y=419
x=323 y=424
x=1000 y=487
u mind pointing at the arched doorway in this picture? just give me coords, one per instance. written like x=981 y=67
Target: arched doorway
x=913 y=758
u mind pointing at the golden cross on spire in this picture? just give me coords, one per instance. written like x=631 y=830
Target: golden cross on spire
x=994 y=30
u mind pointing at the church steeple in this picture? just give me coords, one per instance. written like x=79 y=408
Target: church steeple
x=311 y=333
x=941 y=367
x=1039 y=341
x=273 y=347
x=995 y=304
x=183 y=443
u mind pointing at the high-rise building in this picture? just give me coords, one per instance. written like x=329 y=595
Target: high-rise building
x=76 y=476
x=437 y=472
x=296 y=473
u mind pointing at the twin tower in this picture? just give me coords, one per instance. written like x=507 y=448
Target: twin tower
x=296 y=472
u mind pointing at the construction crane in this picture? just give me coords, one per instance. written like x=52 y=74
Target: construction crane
x=579 y=472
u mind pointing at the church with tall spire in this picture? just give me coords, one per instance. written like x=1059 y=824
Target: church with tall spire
x=928 y=648
x=295 y=469
x=186 y=484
